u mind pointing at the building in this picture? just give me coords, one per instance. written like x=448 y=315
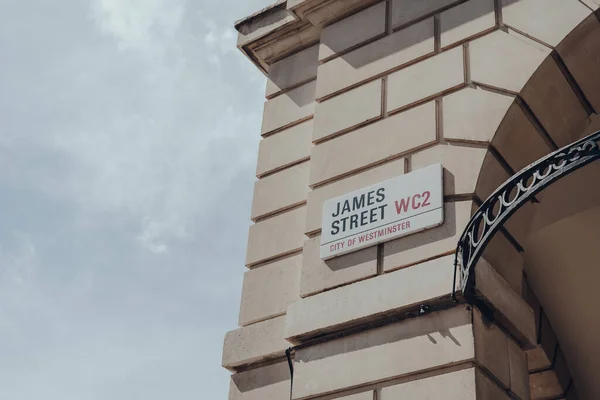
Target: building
x=364 y=100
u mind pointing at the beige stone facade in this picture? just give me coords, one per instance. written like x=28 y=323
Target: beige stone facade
x=360 y=91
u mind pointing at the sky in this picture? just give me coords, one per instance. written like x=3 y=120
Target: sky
x=128 y=139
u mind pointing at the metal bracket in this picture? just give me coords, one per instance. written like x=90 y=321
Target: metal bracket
x=512 y=195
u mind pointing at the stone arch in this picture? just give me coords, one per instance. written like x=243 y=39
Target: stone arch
x=546 y=250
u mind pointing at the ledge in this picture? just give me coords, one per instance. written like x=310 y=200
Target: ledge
x=289 y=26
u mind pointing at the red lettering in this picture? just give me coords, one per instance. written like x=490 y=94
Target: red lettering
x=426 y=195
x=404 y=203
x=415 y=205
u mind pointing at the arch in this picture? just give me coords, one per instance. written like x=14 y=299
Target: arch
x=544 y=141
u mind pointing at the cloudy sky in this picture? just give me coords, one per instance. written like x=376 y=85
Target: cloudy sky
x=128 y=139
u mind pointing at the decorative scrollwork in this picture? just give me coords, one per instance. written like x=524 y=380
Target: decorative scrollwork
x=510 y=196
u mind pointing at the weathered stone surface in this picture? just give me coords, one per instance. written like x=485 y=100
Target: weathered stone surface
x=284 y=148
x=474 y=114
x=579 y=50
x=491 y=348
x=554 y=19
x=254 y=343
x=431 y=341
x=292 y=71
x=373 y=144
x=319 y=275
x=348 y=110
x=555 y=104
x=352 y=31
x=317 y=197
x=491 y=176
x=504 y=60
x=519 y=374
x=375 y=58
x=368 y=300
x=271 y=382
x=270 y=289
x=425 y=79
x=436 y=241
x=289 y=108
x=506 y=261
x=460 y=385
x=466 y=20
x=518 y=140
x=517 y=317
x=545 y=385
x=406 y=11
x=281 y=190
x=277 y=236
x=461 y=165
x=537 y=360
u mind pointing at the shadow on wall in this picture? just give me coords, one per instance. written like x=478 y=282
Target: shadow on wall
x=436 y=328
x=261 y=377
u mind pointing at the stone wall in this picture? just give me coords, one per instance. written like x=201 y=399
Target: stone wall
x=383 y=89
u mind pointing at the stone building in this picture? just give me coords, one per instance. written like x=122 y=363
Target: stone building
x=363 y=92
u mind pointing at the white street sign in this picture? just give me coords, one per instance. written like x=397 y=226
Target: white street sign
x=397 y=207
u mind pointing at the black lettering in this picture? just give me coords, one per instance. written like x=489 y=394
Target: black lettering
x=346 y=207
x=337 y=211
x=370 y=199
x=359 y=202
x=363 y=217
x=380 y=195
x=335 y=228
x=344 y=220
x=353 y=221
x=373 y=214
x=382 y=208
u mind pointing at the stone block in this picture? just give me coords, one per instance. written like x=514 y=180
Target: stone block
x=519 y=374
x=537 y=360
x=506 y=260
x=270 y=289
x=553 y=20
x=292 y=71
x=292 y=107
x=406 y=11
x=545 y=385
x=437 y=241
x=504 y=60
x=555 y=104
x=277 y=236
x=255 y=343
x=474 y=114
x=491 y=176
x=359 y=396
x=271 y=382
x=462 y=165
x=468 y=383
x=348 y=110
x=466 y=20
x=386 y=139
x=425 y=79
x=518 y=140
x=491 y=348
x=375 y=59
x=424 y=343
x=370 y=300
x=319 y=275
x=578 y=50
x=510 y=309
x=352 y=31
x=286 y=148
x=282 y=190
x=317 y=197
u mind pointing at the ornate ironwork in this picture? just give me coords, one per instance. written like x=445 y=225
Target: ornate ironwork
x=510 y=196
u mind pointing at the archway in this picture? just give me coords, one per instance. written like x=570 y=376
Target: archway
x=547 y=250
